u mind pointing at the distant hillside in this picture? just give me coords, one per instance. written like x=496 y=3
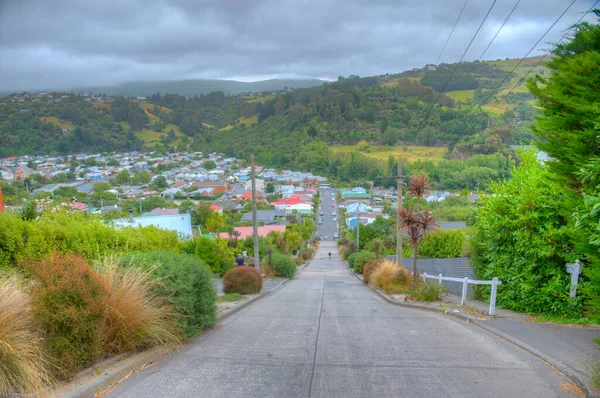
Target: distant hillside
x=191 y=88
x=399 y=109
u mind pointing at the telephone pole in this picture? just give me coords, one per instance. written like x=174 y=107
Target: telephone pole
x=399 y=229
x=254 y=218
x=358 y=227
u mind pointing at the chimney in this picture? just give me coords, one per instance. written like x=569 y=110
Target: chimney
x=1 y=201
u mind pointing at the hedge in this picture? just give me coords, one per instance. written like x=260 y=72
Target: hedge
x=187 y=283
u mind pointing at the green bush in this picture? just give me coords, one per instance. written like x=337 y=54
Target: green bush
x=357 y=260
x=22 y=240
x=347 y=253
x=443 y=244
x=185 y=281
x=242 y=280
x=525 y=238
x=283 y=265
x=215 y=252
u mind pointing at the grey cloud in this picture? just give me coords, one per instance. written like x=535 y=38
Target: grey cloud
x=65 y=43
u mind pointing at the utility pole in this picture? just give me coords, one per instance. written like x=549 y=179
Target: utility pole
x=358 y=227
x=399 y=230
x=140 y=207
x=254 y=218
x=89 y=206
x=101 y=205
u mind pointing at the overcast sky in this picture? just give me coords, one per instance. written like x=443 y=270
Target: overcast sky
x=66 y=43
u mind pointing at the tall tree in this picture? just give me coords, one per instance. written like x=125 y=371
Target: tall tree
x=568 y=127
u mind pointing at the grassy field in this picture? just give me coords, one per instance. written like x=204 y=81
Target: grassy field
x=382 y=153
x=461 y=95
x=252 y=99
x=150 y=107
x=248 y=121
x=63 y=124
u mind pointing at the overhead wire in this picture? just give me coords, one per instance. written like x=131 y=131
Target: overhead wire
x=526 y=55
x=522 y=59
x=459 y=61
x=498 y=32
x=452 y=31
x=545 y=55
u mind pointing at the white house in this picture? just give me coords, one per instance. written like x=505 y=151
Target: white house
x=260 y=185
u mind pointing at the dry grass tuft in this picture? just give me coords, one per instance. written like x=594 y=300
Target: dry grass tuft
x=369 y=268
x=23 y=365
x=390 y=277
x=135 y=316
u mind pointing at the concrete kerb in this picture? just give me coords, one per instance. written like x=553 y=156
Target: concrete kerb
x=94 y=380
x=572 y=374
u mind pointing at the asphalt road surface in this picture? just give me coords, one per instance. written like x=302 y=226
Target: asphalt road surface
x=324 y=334
x=329 y=227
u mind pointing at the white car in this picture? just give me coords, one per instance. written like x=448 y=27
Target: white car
x=333 y=214
x=334 y=218
x=336 y=235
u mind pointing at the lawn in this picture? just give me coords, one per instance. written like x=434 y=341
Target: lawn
x=408 y=153
x=63 y=124
x=248 y=121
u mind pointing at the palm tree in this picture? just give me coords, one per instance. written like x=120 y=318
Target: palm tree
x=417 y=225
x=419 y=187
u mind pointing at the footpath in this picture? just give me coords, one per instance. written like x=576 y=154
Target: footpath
x=569 y=348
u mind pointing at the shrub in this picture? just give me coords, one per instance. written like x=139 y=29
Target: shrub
x=185 y=281
x=357 y=260
x=524 y=237
x=305 y=255
x=283 y=265
x=369 y=268
x=298 y=261
x=24 y=366
x=136 y=316
x=428 y=291
x=243 y=280
x=22 y=240
x=443 y=244
x=215 y=252
x=69 y=299
x=391 y=277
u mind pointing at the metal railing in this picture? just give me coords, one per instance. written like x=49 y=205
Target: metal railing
x=466 y=281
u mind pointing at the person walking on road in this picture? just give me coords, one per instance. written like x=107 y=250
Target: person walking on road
x=330 y=255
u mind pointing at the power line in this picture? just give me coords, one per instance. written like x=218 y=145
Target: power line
x=548 y=30
x=528 y=52
x=496 y=35
x=545 y=55
x=454 y=27
x=459 y=61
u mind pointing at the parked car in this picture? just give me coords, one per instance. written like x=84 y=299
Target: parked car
x=334 y=218
x=321 y=214
x=320 y=221
x=336 y=235
x=333 y=214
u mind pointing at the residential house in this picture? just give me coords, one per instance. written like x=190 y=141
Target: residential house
x=21 y=172
x=260 y=184
x=248 y=231
x=180 y=223
x=163 y=212
x=6 y=174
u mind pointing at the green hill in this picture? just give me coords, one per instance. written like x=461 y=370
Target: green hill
x=402 y=109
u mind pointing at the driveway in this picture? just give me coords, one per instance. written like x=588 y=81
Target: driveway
x=325 y=335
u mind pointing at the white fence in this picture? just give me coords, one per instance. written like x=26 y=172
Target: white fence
x=466 y=281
